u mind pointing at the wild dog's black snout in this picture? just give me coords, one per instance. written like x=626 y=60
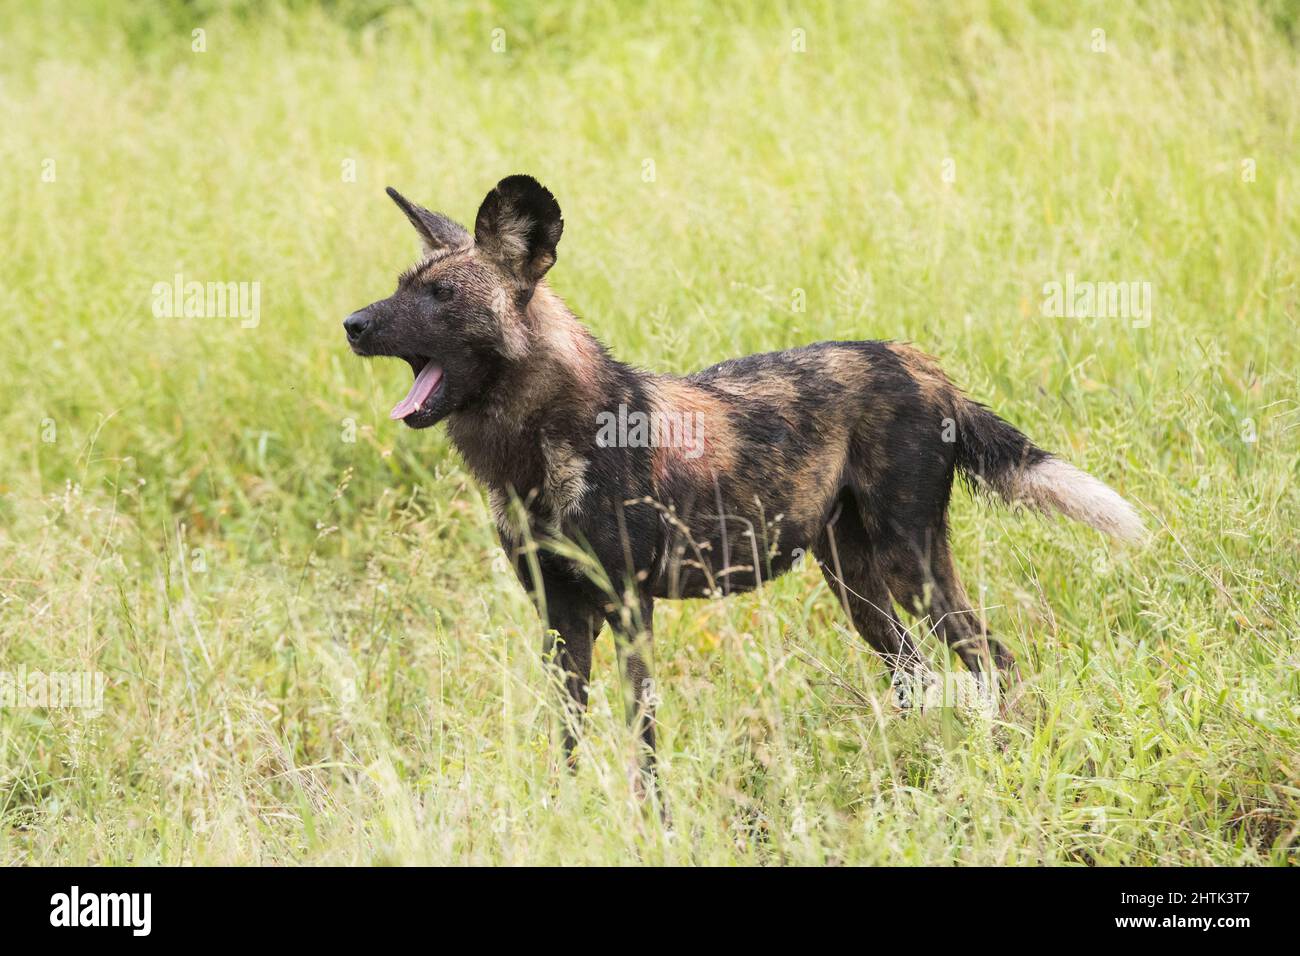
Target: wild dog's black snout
x=357 y=324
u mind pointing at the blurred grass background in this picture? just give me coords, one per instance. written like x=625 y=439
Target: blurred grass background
x=313 y=652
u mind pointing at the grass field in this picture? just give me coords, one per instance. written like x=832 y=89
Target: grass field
x=313 y=653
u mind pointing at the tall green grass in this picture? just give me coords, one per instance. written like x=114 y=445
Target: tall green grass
x=312 y=650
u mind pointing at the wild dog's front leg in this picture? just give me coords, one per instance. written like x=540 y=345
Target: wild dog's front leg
x=571 y=628
x=633 y=626
x=570 y=622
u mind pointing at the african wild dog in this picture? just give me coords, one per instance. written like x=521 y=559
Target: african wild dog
x=847 y=449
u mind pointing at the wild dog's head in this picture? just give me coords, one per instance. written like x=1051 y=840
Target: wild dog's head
x=461 y=313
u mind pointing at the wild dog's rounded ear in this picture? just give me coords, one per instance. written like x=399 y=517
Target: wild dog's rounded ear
x=437 y=232
x=519 y=226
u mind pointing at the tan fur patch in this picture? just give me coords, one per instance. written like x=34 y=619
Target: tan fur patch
x=935 y=387
x=844 y=365
x=678 y=400
x=817 y=480
x=503 y=514
x=561 y=337
x=772 y=388
x=566 y=477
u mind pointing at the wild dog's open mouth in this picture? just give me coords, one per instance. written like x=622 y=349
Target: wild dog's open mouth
x=426 y=385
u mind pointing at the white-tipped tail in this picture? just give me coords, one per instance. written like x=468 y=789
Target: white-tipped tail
x=1056 y=485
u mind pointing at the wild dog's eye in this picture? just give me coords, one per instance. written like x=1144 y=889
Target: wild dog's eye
x=442 y=291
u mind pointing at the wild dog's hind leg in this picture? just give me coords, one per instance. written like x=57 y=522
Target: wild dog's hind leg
x=962 y=627
x=922 y=576
x=857 y=581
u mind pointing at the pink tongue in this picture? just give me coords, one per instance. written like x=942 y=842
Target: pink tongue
x=423 y=387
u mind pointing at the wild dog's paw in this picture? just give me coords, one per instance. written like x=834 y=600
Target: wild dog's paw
x=909 y=689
